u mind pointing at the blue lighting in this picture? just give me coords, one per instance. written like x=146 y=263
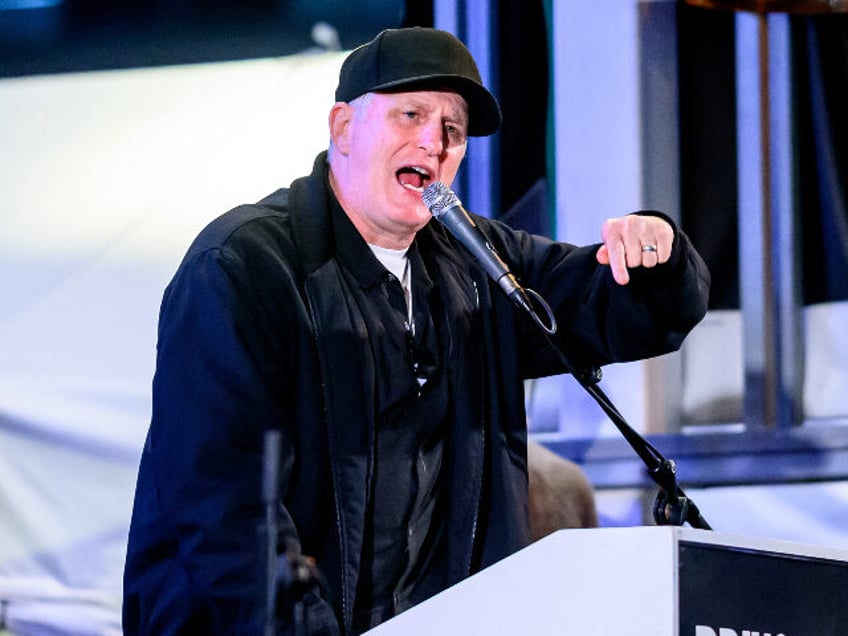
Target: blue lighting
x=8 y=5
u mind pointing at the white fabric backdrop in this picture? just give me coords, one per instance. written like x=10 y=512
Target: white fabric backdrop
x=106 y=177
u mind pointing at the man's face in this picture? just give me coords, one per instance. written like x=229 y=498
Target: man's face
x=393 y=146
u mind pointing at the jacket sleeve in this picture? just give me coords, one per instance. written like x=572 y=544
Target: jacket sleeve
x=195 y=551
x=600 y=321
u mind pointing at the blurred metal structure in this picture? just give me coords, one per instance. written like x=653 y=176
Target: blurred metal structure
x=769 y=253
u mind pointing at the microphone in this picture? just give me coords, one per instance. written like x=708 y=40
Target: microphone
x=447 y=208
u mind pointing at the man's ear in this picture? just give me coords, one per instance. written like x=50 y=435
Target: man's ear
x=341 y=115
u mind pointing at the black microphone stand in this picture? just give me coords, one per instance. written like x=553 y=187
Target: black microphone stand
x=672 y=506
x=269 y=530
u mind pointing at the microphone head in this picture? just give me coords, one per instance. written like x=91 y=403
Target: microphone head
x=439 y=198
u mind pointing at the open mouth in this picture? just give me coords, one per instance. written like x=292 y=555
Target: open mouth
x=413 y=178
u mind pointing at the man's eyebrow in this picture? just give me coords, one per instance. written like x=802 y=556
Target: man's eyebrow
x=458 y=115
x=458 y=118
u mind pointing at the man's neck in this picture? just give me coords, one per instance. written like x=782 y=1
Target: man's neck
x=371 y=235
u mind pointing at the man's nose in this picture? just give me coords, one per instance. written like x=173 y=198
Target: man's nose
x=432 y=139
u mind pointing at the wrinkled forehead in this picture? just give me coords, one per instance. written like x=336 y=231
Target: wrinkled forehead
x=451 y=104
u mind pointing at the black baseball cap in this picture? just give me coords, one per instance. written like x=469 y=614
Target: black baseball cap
x=419 y=58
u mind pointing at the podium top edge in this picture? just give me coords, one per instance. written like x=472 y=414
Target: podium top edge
x=677 y=534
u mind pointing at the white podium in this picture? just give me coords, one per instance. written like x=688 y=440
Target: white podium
x=644 y=581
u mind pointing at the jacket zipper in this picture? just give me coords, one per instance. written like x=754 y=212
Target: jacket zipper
x=482 y=455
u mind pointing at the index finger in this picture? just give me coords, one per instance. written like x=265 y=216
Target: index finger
x=618 y=260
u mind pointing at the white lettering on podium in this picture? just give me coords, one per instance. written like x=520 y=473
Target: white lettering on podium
x=703 y=630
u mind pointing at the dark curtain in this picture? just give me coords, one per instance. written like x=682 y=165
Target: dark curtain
x=707 y=94
x=819 y=53
x=820 y=47
x=524 y=83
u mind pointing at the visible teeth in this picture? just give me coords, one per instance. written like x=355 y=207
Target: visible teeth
x=422 y=174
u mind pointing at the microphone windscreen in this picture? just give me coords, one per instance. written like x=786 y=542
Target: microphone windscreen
x=438 y=198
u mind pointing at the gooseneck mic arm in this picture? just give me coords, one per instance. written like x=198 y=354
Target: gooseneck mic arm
x=672 y=506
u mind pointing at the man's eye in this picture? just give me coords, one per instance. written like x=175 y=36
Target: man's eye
x=455 y=132
x=410 y=114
